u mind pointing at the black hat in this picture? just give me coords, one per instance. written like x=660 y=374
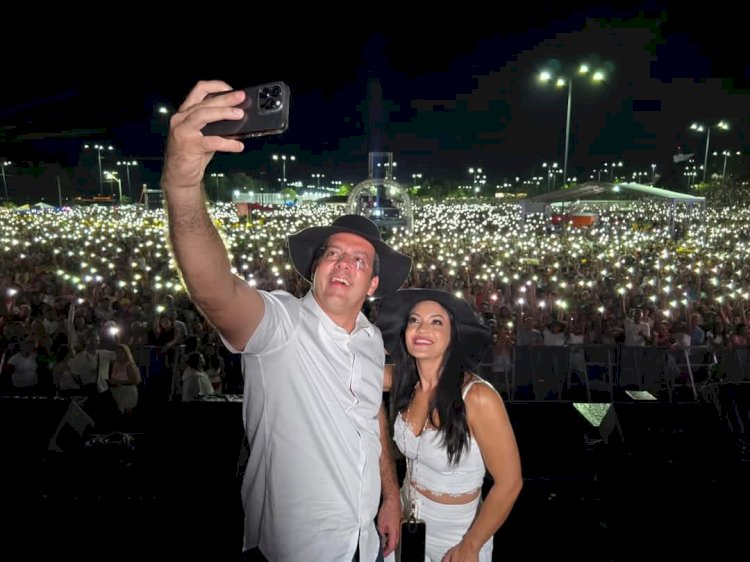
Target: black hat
x=394 y=266
x=393 y=311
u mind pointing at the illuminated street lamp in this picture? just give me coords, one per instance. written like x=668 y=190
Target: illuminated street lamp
x=726 y=154
x=127 y=169
x=4 y=163
x=283 y=159
x=317 y=179
x=99 y=148
x=417 y=180
x=551 y=171
x=700 y=128
x=583 y=70
x=112 y=176
x=216 y=177
x=479 y=179
x=653 y=173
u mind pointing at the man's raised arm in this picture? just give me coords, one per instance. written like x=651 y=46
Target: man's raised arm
x=229 y=303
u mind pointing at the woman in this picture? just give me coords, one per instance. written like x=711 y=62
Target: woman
x=450 y=425
x=215 y=368
x=124 y=380
x=195 y=381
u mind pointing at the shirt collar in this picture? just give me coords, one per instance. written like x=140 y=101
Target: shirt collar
x=362 y=323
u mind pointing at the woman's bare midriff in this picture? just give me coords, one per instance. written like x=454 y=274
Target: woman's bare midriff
x=448 y=499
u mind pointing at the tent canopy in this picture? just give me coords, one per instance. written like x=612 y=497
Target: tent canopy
x=590 y=190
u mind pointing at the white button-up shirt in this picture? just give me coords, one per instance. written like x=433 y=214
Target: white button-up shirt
x=312 y=395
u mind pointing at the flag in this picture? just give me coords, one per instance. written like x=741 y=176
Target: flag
x=680 y=157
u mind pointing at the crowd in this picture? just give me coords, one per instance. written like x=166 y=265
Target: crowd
x=87 y=290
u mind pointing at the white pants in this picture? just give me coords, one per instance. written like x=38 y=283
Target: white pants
x=446 y=524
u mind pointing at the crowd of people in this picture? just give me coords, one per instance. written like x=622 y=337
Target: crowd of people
x=71 y=275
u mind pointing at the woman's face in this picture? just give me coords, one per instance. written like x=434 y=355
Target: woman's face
x=428 y=331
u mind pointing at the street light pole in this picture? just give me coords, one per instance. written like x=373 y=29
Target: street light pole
x=317 y=179
x=216 y=176
x=99 y=148
x=127 y=170
x=546 y=76
x=567 y=132
x=113 y=177
x=698 y=127
x=705 y=157
x=5 y=183
x=283 y=158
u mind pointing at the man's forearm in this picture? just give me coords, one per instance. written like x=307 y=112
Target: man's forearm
x=198 y=248
x=388 y=476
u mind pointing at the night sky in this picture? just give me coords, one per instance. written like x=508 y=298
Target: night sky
x=454 y=96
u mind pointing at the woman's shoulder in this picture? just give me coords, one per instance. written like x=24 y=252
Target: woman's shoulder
x=476 y=386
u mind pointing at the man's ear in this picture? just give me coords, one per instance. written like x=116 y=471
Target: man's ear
x=373 y=286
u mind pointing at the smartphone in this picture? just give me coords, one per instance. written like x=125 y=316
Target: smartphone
x=266 y=113
x=413 y=541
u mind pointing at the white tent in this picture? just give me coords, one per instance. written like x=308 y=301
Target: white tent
x=43 y=206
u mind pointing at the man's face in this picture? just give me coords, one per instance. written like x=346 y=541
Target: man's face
x=343 y=275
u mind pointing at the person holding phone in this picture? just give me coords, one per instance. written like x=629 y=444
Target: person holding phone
x=313 y=366
x=450 y=424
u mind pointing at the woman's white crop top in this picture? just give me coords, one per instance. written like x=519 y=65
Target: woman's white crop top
x=432 y=471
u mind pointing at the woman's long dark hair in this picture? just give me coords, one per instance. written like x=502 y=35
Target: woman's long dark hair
x=447 y=402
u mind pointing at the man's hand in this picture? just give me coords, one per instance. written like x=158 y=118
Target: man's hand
x=461 y=553
x=188 y=150
x=389 y=523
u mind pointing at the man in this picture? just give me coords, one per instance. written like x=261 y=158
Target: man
x=313 y=366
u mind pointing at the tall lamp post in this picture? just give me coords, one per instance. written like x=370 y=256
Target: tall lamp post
x=317 y=180
x=726 y=154
x=560 y=81
x=216 y=177
x=4 y=163
x=99 y=148
x=127 y=170
x=112 y=176
x=283 y=159
x=700 y=128
x=478 y=178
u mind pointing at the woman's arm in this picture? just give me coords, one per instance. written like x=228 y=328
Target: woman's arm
x=134 y=375
x=489 y=423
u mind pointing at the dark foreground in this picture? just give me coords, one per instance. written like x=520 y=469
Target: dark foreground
x=654 y=481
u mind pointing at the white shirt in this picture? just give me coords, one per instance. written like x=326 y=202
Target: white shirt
x=312 y=395
x=25 y=373
x=93 y=367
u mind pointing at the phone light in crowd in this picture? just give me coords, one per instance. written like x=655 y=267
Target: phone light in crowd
x=114 y=330
x=459 y=294
x=493 y=297
x=12 y=292
x=600 y=309
x=160 y=308
x=80 y=301
x=542 y=304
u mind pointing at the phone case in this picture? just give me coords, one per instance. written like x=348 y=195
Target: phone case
x=411 y=547
x=266 y=113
